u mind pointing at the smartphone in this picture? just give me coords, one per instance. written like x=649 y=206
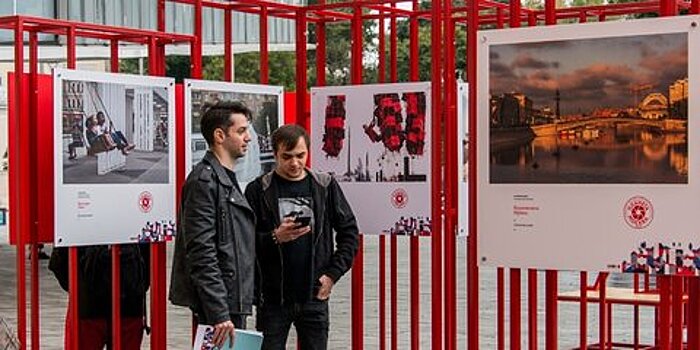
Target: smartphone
x=302 y=221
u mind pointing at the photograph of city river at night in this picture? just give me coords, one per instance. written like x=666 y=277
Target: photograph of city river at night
x=590 y=111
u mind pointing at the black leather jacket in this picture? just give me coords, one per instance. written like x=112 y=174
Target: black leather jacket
x=332 y=213
x=214 y=260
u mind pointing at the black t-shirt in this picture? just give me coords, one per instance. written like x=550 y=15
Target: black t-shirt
x=295 y=200
x=232 y=176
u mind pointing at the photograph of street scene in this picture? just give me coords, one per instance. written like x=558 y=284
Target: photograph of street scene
x=114 y=133
x=590 y=111
x=259 y=158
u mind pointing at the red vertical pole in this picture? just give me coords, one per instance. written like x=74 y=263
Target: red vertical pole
x=33 y=178
x=601 y=17
x=532 y=309
x=472 y=251
x=500 y=309
x=264 y=55
x=393 y=262
x=582 y=17
x=551 y=310
x=515 y=13
x=116 y=262
x=73 y=251
x=694 y=313
x=302 y=118
x=358 y=268
x=677 y=313
x=515 y=309
x=381 y=77
x=668 y=8
x=414 y=240
x=437 y=88
x=550 y=12
x=603 y=336
x=451 y=180
x=500 y=18
x=321 y=53
x=196 y=58
x=531 y=19
x=664 y=321
x=228 y=41
x=583 y=311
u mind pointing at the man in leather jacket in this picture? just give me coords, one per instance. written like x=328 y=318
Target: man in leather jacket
x=214 y=259
x=300 y=258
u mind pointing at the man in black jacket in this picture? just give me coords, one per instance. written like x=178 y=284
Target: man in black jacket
x=95 y=293
x=214 y=261
x=298 y=210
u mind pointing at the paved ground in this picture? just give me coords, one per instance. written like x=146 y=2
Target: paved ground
x=53 y=303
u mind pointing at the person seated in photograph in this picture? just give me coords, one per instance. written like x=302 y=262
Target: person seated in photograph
x=117 y=136
x=95 y=294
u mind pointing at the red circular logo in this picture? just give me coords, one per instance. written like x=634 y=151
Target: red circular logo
x=638 y=212
x=399 y=198
x=145 y=201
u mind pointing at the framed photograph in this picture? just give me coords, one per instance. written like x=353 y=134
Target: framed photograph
x=585 y=135
x=114 y=158
x=376 y=139
x=267 y=106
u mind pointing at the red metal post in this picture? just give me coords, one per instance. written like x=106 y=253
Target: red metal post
x=694 y=313
x=228 y=49
x=677 y=313
x=515 y=13
x=451 y=180
x=515 y=309
x=358 y=267
x=414 y=240
x=472 y=251
x=583 y=311
x=500 y=18
x=500 y=309
x=196 y=58
x=321 y=53
x=664 y=321
x=603 y=319
x=116 y=261
x=532 y=309
x=301 y=38
x=668 y=8
x=264 y=55
x=551 y=310
x=550 y=12
x=582 y=17
x=381 y=77
x=33 y=123
x=437 y=88
x=694 y=7
x=73 y=303
x=531 y=19
x=160 y=10
x=393 y=263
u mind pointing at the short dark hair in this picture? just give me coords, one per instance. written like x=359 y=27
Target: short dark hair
x=218 y=116
x=287 y=136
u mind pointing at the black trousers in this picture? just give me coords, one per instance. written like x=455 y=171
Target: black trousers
x=310 y=320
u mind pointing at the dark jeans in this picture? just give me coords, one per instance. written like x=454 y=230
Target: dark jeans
x=310 y=320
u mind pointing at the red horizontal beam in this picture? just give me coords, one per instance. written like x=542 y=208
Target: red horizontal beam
x=90 y=30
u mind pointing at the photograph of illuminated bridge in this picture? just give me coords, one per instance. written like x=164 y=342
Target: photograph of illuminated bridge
x=590 y=111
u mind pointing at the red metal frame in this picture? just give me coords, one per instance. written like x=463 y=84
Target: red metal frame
x=443 y=17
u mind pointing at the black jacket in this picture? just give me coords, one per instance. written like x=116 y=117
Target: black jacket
x=95 y=283
x=214 y=259
x=332 y=213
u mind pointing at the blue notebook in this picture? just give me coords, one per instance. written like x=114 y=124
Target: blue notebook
x=244 y=340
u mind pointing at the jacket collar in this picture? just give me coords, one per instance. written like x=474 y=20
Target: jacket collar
x=219 y=169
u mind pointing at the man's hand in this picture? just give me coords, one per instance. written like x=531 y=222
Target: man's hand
x=222 y=332
x=289 y=231
x=326 y=285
